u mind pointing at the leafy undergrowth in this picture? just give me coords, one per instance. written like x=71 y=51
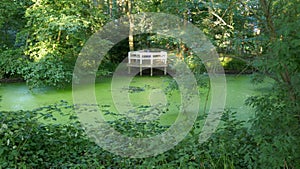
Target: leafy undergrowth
x=28 y=143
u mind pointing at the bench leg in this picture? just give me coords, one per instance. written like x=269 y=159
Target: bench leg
x=165 y=71
x=151 y=71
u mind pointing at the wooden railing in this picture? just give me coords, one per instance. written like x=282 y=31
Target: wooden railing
x=147 y=59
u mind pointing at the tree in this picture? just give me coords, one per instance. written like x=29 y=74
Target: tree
x=276 y=125
x=12 y=20
x=56 y=31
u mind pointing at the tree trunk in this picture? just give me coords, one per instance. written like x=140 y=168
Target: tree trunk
x=131 y=26
x=111 y=8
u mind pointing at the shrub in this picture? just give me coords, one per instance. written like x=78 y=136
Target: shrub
x=49 y=71
x=12 y=63
x=276 y=131
x=27 y=141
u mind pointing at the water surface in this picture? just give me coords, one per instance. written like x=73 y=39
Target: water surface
x=17 y=96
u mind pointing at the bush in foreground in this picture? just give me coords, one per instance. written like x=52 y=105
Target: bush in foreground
x=33 y=139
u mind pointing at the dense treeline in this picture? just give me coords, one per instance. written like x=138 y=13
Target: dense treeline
x=46 y=36
x=40 y=41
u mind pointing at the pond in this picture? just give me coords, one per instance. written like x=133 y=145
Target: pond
x=17 y=96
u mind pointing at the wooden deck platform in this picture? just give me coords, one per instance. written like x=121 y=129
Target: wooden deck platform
x=147 y=59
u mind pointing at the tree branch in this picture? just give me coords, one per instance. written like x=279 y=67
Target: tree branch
x=216 y=15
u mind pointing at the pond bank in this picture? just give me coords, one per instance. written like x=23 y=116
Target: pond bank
x=12 y=80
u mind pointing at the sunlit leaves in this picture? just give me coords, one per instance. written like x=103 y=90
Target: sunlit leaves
x=56 y=31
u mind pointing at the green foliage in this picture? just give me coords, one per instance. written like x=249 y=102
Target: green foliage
x=126 y=124
x=229 y=147
x=235 y=65
x=49 y=71
x=276 y=132
x=26 y=142
x=11 y=21
x=276 y=124
x=54 y=35
x=12 y=63
x=33 y=139
x=61 y=28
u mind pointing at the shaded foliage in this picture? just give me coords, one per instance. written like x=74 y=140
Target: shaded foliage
x=12 y=63
x=12 y=21
x=34 y=139
x=276 y=124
